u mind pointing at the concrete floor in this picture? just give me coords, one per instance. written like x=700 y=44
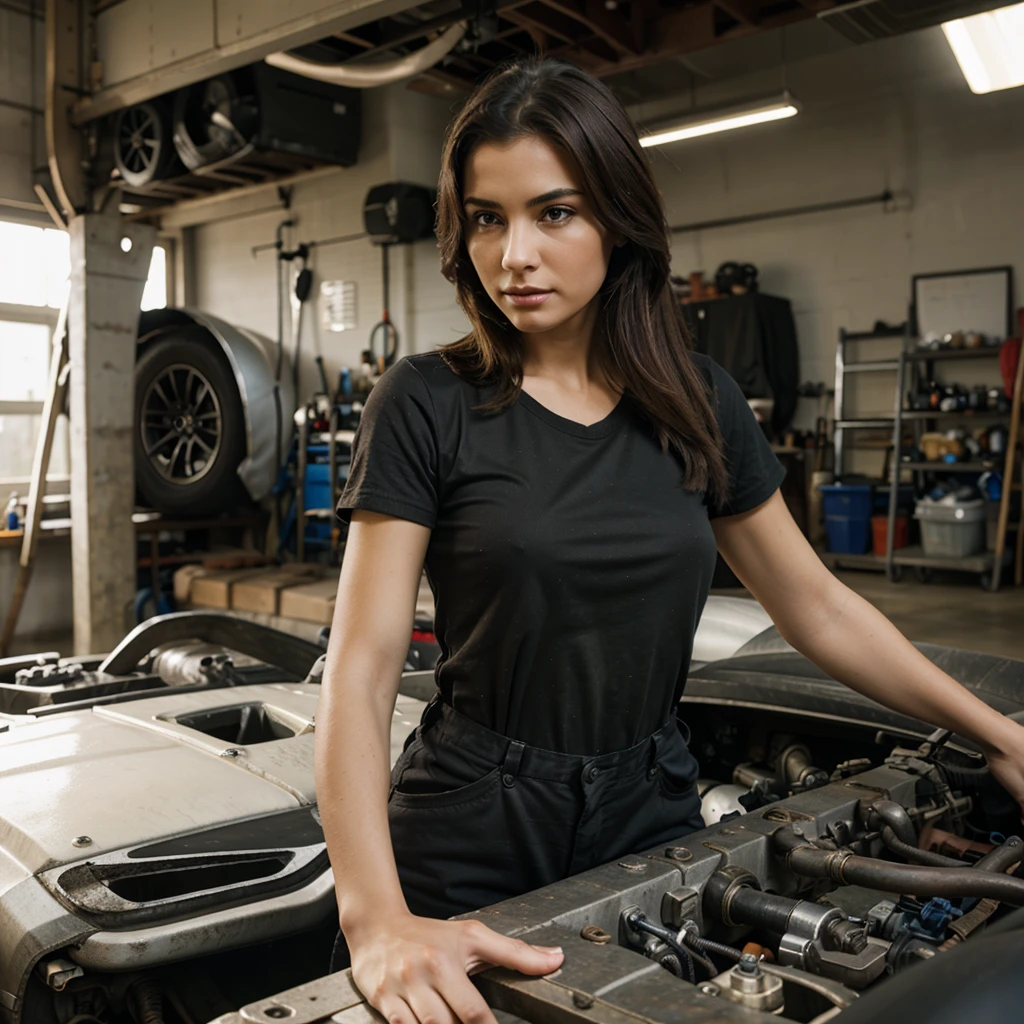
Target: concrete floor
x=953 y=610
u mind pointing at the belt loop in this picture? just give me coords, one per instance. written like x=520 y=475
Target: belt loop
x=510 y=767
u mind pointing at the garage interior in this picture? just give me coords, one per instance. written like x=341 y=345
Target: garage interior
x=217 y=232
x=894 y=176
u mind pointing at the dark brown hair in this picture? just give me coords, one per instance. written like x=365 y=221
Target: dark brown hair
x=643 y=346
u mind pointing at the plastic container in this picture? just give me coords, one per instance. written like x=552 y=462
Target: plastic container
x=952 y=531
x=847 y=517
x=880 y=532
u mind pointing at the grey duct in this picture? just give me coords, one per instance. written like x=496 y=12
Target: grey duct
x=368 y=76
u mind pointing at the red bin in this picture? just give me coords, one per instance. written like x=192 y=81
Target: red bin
x=880 y=532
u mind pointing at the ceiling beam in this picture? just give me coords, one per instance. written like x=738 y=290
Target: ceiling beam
x=607 y=25
x=747 y=12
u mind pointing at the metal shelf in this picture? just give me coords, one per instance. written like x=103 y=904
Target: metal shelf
x=968 y=414
x=926 y=355
x=872 y=366
x=950 y=467
x=878 y=423
x=981 y=563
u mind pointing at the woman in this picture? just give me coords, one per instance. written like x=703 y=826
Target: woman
x=565 y=472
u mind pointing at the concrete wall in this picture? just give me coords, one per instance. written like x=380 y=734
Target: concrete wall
x=19 y=92
x=893 y=115
x=896 y=114
x=401 y=141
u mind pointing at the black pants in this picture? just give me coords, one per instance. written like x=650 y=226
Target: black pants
x=477 y=818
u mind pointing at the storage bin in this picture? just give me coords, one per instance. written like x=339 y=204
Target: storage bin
x=880 y=532
x=847 y=517
x=952 y=531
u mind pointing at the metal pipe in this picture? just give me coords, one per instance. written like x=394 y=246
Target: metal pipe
x=792 y=211
x=849 y=869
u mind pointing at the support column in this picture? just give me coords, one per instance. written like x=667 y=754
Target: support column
x=106 y=291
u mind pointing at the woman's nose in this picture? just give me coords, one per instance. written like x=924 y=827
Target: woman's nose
x=520 y=249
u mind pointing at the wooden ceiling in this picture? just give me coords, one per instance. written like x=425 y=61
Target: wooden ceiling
x=605 y=37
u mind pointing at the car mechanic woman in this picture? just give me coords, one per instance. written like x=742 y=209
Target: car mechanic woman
x=565 y=472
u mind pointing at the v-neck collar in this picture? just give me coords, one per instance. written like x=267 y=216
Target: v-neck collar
x=601 y=428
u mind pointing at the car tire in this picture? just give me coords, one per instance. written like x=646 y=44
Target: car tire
x=144 y=150
x=190 y=431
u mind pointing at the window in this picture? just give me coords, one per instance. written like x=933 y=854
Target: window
x=34 y=267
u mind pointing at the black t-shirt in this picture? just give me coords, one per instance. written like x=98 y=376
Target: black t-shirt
x=569 y=565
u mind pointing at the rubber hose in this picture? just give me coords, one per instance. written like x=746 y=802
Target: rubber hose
x=686 y=956
x=915 y=855
x=148 y=1002
x=698 y=942
x=1003 y=856
x=708 y=966
x=849 y=869
x=895 y=816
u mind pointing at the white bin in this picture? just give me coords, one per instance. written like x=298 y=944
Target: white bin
x=952 y=531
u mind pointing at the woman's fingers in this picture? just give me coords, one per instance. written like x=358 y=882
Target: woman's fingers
x=395 y=1010
x=465 y=1001
x=428 y=1006
x=488 y=947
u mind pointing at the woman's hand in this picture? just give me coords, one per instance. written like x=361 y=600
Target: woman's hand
x=1006 y=762
x=415 y=969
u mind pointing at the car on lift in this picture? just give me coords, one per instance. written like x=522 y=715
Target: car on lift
x=213 y=408
x=161 y=856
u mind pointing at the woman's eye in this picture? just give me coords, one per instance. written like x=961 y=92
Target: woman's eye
x=482 y=213
x=567 y=210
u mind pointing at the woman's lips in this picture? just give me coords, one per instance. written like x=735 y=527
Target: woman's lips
x=533 y=299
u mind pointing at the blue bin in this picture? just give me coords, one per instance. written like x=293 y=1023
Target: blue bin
x=848 y=509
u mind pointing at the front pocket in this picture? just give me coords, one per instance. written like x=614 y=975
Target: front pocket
x=677 y=774
x=448 y=797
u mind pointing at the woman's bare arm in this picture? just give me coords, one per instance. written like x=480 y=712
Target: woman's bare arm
x=411 y=969
x=854 y=642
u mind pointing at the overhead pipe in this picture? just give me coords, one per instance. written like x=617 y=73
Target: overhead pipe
x=369 y=76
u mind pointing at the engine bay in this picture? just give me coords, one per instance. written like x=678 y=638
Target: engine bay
x=846 y=852
x=800 y=908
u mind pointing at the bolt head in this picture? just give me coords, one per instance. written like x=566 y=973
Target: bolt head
x=81 y=841
x=230 y=752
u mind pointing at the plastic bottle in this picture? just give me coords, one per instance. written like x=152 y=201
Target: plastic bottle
x=11 y=514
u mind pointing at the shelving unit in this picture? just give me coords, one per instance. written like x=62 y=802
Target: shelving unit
x=988 y=564
x=844 y=423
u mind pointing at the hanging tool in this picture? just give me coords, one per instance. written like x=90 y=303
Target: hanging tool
x=389 y=346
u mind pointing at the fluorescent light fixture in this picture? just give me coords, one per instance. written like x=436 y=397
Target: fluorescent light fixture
x=756 y=112
x=989 y=48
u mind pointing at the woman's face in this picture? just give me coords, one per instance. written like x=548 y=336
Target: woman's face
x=528 y=225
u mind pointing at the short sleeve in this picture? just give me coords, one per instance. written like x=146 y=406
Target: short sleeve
x=754 y=471
x=394 y=464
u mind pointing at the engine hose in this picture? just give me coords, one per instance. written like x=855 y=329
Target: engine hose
x=1003 y=856
x=915 y=855
x=147 y=1002
x=639 y=922
x=848 y=869
x=698 y=942
x=895 y=816
x=712 y=970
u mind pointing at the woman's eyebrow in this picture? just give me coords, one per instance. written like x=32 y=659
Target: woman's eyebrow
x=555 y=193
